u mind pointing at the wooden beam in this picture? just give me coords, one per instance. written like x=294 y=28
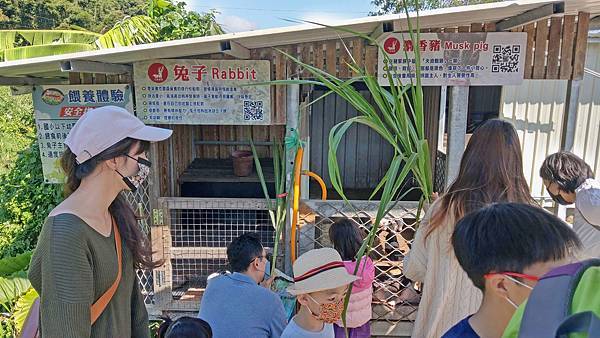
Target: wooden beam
x=382 y=28
x=476 y=27
x=583 y=24
x=554 y=48
x=566 y=49
x=530 y=16
x=541 y=42
x=530 y=30
x=235 y=49
x=82 y=66
x=29 y=81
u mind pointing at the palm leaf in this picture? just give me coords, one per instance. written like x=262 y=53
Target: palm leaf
x=13 y=287
x=22 y=307
x=7 y=39
x=134 y=30
x=28 y=52
x=11 y=265
x=47 y=36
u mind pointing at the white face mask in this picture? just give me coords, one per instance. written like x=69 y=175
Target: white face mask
x=520 y=283
x=135 y=181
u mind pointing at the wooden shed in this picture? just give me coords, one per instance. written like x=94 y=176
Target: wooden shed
x=195 y=205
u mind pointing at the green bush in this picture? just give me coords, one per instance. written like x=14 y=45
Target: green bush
x=17 y=127
x=16 y=294
x=25 y=200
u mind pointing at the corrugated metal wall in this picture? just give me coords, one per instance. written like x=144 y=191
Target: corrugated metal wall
x=363 y=154
x=587 y=135
x=536 y=108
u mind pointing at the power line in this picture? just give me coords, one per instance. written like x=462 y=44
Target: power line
x=279 y=10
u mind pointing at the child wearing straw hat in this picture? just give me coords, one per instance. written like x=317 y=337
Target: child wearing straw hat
x=320 y=285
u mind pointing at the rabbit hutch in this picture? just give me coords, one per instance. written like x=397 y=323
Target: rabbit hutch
x=205 y=190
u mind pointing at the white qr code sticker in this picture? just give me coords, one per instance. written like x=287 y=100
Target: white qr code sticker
x=505 y=58
x=253 y=111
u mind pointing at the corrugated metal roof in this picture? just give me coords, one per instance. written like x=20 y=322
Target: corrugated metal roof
x=446 y=17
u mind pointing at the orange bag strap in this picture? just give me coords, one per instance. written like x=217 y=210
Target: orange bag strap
x=99 y=306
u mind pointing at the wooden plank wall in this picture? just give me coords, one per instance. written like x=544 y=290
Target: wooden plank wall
x=556 y=47
x=555 y=50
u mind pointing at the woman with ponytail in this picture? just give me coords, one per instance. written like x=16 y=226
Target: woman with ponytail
x=84 y=265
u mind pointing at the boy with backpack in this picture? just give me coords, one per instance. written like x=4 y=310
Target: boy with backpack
x=565 y=301
x=505 y=249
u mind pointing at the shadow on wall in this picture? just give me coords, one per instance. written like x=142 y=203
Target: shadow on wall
x=533 y=126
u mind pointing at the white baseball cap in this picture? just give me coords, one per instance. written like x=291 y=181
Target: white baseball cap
x=101 y=128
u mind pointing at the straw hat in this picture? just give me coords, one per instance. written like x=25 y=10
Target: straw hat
x=318 y=270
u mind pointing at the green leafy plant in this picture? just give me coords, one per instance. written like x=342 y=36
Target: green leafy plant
x=277 y=209
x=25 y=199
x=175 y=22
x=164 y=21
x=16 y=294
x=397 y=115
x=23 y=44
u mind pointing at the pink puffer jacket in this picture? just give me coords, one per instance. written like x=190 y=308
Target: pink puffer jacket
x=359 y=309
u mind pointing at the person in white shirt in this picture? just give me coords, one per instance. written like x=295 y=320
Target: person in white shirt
x=569 y=180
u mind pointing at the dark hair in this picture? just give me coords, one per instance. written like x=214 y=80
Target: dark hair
x=243 y=250
x=510 y=237
x=346 y=238
x=566 y=169
x=184 y=327
x=135 y=239
x=491 y=170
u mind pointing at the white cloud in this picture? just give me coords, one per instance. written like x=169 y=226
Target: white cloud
x=323 y=18
x=233 y=23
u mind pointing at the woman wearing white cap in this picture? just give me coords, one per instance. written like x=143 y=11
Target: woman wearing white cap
x=85 y=260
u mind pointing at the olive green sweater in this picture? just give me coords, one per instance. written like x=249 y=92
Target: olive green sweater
x=73 y=265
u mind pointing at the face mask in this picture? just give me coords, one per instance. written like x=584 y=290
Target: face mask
x=520 y=283
x=135 y=181
x=328 y=312
x=557 y=198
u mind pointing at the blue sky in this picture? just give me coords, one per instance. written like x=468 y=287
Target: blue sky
x=239 y=15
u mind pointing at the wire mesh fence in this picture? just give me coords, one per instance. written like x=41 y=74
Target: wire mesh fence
x=195 y=236
x=393 y=241
x=140 y=200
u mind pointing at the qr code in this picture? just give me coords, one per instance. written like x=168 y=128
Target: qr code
x=253 y=111
x=505 y=58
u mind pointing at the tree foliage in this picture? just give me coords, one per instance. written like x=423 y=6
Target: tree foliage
x=397 y=6
x=175 y=22
x=93 y=15
x=24 y=198
x=164 y=21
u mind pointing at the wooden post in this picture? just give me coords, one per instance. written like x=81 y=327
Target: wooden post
x=292 y=108
x=442 y=119
x=457 y=126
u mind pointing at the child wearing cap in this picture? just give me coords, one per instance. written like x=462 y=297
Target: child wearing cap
x=320 y=285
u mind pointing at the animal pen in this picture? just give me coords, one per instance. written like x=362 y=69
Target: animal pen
x=193 y=203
